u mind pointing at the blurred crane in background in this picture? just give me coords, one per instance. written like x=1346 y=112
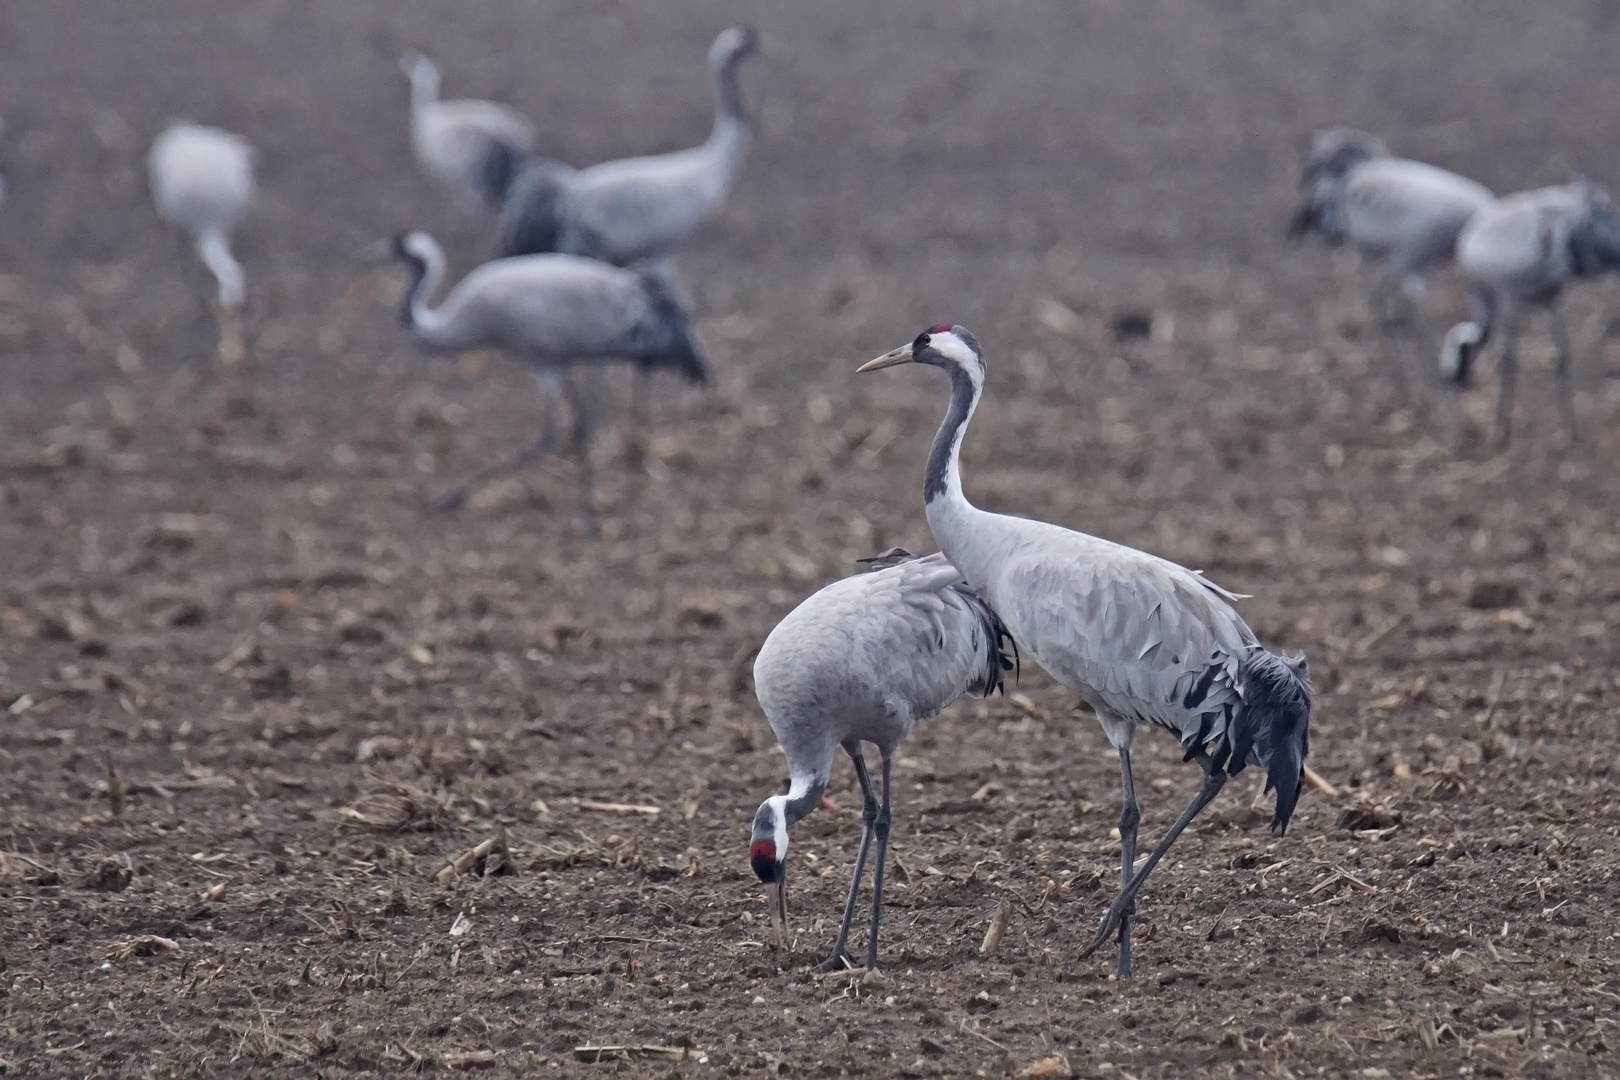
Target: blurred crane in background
x=636 y=208
x=467 y=145
x=202 y=183
x=1520 y=252
x=552 y=311
x=1403 y=215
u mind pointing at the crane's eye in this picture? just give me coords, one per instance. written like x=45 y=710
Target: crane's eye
x=921 y=343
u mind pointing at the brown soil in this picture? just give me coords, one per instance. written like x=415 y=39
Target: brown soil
x=223 y=593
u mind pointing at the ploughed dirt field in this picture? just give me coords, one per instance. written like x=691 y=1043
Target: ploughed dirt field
x=253 y=703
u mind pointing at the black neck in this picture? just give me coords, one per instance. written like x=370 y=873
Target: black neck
x=936 y=478
x=810 y=800
x=418 y=273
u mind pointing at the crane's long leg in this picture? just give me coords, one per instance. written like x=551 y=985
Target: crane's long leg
x=1130 y=816
x=1118 y=913
x=881 y=826
x=1507 y=376
x=1566 y=386
x=636 y=441
x=530 y=452
x=580 y=405
x=1397 y=313
x=839 y=960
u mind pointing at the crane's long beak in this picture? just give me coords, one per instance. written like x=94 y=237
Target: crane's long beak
x=378 y=251
x=776 y=901
x=902 y=355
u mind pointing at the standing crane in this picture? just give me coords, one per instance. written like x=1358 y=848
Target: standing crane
x=553 y=311
x=863 y=660
x=1403 y=215
x=202 y=183
x=1139 y=639
x=636 y=208
x=468 y=145
x=1520 y=252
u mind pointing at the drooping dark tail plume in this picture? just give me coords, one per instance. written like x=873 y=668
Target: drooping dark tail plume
x=1273 y=720
x=531 y=216
x=1001 y=653
x=501 y=165
x=670 y=342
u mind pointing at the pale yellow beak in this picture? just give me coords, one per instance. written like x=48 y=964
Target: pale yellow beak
x=902 y=355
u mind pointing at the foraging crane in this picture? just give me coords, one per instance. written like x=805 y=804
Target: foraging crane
x=1520 y=252
x=553 y=311
x=1403 y=215
x=202 y=183
x=636 y=208
x=1141 y=640
x=467 y=145
x=863 y=660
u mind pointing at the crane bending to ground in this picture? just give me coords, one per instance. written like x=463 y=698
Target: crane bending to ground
x=1518 y=253
x=635 y=208
x=1141 y=640
x=554 y=311
x=202 y=183
x=1404 y=215
x=863 y=660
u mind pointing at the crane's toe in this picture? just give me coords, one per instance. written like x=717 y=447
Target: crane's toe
x=838 y=961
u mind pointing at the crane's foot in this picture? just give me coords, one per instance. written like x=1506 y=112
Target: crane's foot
x=838 y=961
x=1122 y=906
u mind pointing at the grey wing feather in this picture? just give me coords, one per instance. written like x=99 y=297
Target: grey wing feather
x=1132 y=633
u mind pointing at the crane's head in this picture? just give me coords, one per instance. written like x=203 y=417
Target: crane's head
x=1335 y=152
x=946 y=346
x=422 y=73
x=733 y=44
x=767 y=854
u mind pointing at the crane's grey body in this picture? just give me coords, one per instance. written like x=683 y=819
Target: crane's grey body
x=863 y=660
x=1139 y=639
x=635 y=208
x=1404 y=215
x=453 y=141
x=552 y=311
x=1520 y=252
x=202 y=183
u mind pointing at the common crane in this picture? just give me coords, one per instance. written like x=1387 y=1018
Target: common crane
x=553 y=311
x=1404 y=215
x=1139 y=639
x=202 y=183
x=1520 y=252
x=466 y=145
x=636 y=208
x=863 y=660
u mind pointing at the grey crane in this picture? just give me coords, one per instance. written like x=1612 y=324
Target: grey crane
x=1520 y=252
x=553 y=311
x=1139 y=639
x=1404 y=215
x=863 y=660
x=202 y=183
x=635 y=208
x=466 y=145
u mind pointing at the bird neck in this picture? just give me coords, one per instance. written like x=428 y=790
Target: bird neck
x=427 y=270
x=730 y=115
x=943 y=501
x=804 y=795
x=424 y=87
x=216 y=253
